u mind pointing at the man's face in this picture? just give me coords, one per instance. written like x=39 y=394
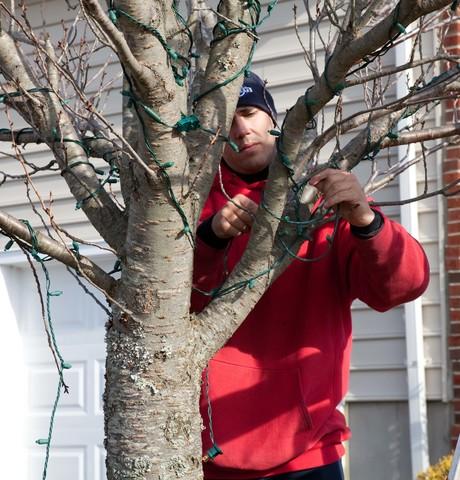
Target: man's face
x=256 y=146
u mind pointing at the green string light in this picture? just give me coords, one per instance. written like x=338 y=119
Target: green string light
x=187 y=123
x=47 y=441
x=180 y=64
x=116 y=267
x=62 y=365
x=41 y=441
x=289 y=221
x=18 y=133
x=308 y=102
x=400 y=30
x=255 y=9
x=220 y=292
x=112 y=177
x=5 y=96
x=334 y=89
x=302 y=226
x=136 y=104
x=184 y=24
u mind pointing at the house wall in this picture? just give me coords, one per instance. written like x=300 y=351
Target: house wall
x=380 y=446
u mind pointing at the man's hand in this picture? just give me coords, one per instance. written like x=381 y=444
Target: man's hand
x=342 y=190
x=235 y=217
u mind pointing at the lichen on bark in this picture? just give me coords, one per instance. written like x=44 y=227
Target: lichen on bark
x=124 y=468
x=127 y=350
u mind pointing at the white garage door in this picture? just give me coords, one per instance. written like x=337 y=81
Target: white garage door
x=31 y=379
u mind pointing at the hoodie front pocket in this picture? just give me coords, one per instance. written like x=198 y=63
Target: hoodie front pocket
x=258 y=418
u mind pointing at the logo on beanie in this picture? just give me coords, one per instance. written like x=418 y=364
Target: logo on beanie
x=244 y=90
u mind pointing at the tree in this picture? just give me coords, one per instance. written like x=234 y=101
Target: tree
x=179 y=95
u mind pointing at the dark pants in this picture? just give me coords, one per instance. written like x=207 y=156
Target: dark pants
x=332 y=471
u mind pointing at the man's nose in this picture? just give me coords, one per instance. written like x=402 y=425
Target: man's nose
x=240 y=127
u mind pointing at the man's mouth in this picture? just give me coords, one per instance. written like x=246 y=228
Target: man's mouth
x=246 y=147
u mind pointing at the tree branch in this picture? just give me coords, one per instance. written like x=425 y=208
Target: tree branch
x=127 y=59
x=22 y=136
x=201 y=21
x=444 y=86
x=422 y=136
x=393 y=70
x=44 y=112
x=215 y=109
x=97 y=147
x=348 y=52
x=47 y=246
x=448 y=190
x=393 y=171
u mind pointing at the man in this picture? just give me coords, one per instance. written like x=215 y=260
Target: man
x=270 y=394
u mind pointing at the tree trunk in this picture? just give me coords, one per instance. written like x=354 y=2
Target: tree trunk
x=152 y=420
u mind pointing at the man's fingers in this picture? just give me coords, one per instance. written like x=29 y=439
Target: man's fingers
x=337 y=186
x=321 y=176
x=236 y=222
x=244 y=208
x=245 y=217
x=329 y=176
x=342 y=192
x=226 y=224
x=245 y=203
x=235 y=217
x=231 y=230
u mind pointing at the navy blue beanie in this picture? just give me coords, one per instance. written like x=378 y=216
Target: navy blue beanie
x=254 y=93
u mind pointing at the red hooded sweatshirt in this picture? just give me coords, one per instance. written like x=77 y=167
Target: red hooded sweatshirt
x=275 y=386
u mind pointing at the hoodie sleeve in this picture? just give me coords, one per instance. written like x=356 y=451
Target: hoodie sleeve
x=386 y=269
x=208 y=273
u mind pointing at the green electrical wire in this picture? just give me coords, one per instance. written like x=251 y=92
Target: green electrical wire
x=63 y=365
x=396 y=25
x=190 y=122
x=255 y=10
x=5 y=96
x=180 y=64
x=47 y=441
x=188 y=32
x=161 y=166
